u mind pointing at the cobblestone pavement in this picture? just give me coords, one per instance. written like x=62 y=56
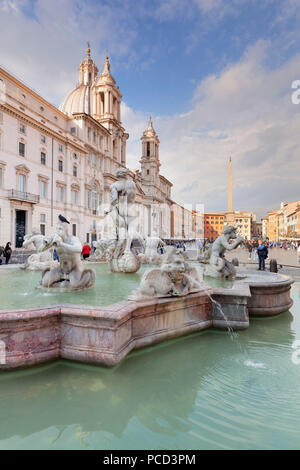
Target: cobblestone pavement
x=288 y=259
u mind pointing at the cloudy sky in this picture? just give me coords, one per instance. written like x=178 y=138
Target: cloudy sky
x=216 y=76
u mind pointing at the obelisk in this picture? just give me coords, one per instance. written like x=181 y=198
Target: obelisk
x=230 y=209
x=230 y=213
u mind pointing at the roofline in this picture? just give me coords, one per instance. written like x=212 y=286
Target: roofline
x=31 y=91
x=90 y=118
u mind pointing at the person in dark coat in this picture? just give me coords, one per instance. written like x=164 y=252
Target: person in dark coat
x=7 y=252
x=262 y=252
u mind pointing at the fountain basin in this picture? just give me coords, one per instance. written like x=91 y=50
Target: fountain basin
x=270 y=294
x=100 y=335
x=104 y=335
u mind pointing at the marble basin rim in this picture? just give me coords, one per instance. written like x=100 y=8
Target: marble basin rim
x=104 y=335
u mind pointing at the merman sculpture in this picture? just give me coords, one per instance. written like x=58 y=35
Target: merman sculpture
x=70 y=274
x=219 y=266
x=123 y=212
x=175 y=277
x=151 y=255
x=104 y=247
x=38 y=261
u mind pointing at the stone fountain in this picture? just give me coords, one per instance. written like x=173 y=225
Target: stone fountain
x=38 y=261
x=151 y=255
x=69 y=275
x=122 y=210
x=218 y=266
x=174 y=278
x=170 y=300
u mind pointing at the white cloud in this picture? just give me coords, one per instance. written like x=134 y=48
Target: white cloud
x=246 y=112
x=43 y=48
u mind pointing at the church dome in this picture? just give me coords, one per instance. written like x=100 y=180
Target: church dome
x=78 y=101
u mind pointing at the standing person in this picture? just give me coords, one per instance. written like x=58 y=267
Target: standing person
x=7 y=252
x=298 y=251
x=55 y=255
x=262 y=252
x=249 y=246
x=86 y=250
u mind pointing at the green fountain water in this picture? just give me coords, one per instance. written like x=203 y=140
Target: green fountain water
x=18 y=288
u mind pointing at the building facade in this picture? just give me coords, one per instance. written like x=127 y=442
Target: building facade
x=63 y=160
x=283 y=222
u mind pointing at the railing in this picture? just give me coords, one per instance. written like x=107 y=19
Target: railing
x=22 y=196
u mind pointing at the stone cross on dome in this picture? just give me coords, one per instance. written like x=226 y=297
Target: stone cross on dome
x=106 y=69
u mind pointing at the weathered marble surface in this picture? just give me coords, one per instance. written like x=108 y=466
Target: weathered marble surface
x=174 y=277
x=105 y=335
x=270 y=294
x=151 y=255
x=102 y=335
x=38 y=261
x=219 y=266
x=69 y=274
x=123 y=212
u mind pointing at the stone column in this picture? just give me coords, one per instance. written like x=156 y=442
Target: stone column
x=106 y=102
x=110 y=102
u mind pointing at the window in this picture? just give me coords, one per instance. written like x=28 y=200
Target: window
x=60 y=148
x=22 y=128
x=1 y=177
x=74 y=230
x=43 y=139
x=74 y=198
x=60 y=166
x=89 y=198
x=43 y=218
x=94 y=160
x=94 y=197
x=22 y=183
x=43 y=189
x=148 y=149
x=41 y=108
x=75 y=156
x=88 y=238
x=21 y=149
x=89 y=132
x=60 y=194
x=75 y=170
x=94 y=136
x=42 y=229
x=73 y=130
x=43 y=158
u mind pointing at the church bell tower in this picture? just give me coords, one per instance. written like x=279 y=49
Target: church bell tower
x=150 y=155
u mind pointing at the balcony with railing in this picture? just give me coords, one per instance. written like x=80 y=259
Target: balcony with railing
x=15 y=195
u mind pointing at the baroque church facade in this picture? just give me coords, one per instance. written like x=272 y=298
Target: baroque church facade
x=63 y=160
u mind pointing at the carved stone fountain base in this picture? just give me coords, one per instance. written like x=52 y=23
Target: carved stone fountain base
x=105 y=335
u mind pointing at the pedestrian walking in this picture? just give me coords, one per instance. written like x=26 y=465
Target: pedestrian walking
x=7 y=252
x=86 y=250
x=262 y=252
